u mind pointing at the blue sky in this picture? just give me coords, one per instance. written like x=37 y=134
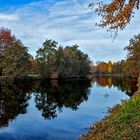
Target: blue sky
x=66 y=21
x=15 y=2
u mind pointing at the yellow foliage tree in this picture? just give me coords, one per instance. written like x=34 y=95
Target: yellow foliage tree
x=109 y=67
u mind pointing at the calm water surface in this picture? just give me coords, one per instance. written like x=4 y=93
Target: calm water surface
x=55 y=110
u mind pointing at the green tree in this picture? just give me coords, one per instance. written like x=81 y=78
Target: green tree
x=73 y=62
x=54 y=61
x=45 y=57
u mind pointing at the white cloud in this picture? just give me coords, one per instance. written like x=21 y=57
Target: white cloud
x=68 y=22
x=8 y=17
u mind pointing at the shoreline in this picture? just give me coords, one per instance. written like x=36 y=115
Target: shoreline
x=113 y=75
x=38 y=77
x=122 y=122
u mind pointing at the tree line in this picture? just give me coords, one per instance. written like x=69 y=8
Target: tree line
x=102 y=68
x=55 y=61
x=128 y=67
x=51 y=60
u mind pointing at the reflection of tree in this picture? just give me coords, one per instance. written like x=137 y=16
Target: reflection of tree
x=123 y=84
x=47 y=107
x=50 y=97
x=126 y=85
x=103 y=81
x=13 y=101
x=69 y=94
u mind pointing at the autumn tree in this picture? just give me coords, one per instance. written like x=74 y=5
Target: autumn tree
x=109 y=67
x=130 y=66
x=14 y=57
x=6 y=39
x=133 y=57
x=117 y=67
x=15 y=61
x=116 y=14
x=102 y=66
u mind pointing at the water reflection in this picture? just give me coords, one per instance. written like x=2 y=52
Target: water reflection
x=52 y=96
x=124 y=84
x=13 y=101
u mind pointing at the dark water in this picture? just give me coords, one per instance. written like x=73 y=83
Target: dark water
x=42 y=110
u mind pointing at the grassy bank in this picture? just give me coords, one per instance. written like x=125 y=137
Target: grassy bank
x=123 y=123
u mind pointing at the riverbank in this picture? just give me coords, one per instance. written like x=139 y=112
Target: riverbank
x=123 y=122
x=13 y=79
x=37 y=77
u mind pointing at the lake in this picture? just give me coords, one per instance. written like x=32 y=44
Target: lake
x=58 y=110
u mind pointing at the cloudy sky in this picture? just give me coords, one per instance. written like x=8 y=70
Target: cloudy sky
x=66 y=21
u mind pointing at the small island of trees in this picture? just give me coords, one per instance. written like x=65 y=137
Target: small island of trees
x=52 y=60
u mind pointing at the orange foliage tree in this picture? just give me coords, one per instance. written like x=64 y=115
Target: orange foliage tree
x=6 y=39
x=116 y=14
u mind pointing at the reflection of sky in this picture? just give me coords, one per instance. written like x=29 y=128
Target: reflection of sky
x=69 y=125
x=68 y=22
